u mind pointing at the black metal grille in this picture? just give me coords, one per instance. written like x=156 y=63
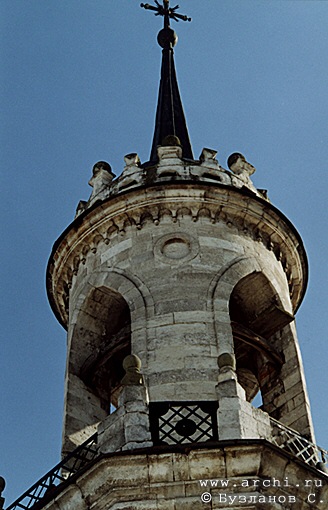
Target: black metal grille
x=45 y=487
x=183 y=422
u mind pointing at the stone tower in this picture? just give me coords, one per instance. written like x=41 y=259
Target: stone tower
x=178 y=283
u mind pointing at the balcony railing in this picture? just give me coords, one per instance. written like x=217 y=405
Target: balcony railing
x=61 y=473
x=174 y=424
x=292 y=442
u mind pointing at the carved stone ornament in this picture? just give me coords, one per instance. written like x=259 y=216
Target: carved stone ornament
x=176 y=248
x=171 y=166
x=247 y=214
x=132 y=365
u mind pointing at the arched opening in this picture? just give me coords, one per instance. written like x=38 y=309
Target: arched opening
x=100 y=336
x=107 y=318
x=256 y=315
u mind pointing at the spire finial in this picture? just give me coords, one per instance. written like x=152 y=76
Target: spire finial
x=166 y=11
x=170 y=119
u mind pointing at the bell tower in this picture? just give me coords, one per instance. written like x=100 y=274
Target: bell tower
x=178 y=283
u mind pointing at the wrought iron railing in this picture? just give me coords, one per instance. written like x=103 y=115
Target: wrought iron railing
x=170 y=423
x=67 y=468
x=183 y=422
x=291 y=441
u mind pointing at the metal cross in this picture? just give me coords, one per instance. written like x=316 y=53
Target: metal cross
x=166 y=11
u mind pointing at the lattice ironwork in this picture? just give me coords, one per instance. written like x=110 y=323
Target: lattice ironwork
x=183 y=422
x=45 y=487
x=291 y=441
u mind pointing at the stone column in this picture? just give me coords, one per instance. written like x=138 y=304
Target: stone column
x=237 y=418
x=128 y=426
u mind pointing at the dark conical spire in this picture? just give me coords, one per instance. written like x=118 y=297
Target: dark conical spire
x=170 y=119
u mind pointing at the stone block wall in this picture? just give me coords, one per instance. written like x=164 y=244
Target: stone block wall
x=173 y=257
x=247 y=475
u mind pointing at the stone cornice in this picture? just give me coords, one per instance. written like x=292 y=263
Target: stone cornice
x=238 y=209
x=74 y=489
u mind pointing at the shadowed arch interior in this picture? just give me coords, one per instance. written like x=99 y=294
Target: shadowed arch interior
x=106 y=321
x=256 y=315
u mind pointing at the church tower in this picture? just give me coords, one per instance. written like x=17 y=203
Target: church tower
x=178 y=284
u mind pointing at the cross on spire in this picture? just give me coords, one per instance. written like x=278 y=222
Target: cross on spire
x=170 y=121
x=166 y=11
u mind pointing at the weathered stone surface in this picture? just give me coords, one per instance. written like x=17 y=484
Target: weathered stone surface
x=128 y=427
x=173 y=480
x=163 y=271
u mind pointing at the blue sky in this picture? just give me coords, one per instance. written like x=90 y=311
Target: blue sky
x=79 y=83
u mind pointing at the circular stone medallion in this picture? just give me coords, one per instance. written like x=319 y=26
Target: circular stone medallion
x=176 y=247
